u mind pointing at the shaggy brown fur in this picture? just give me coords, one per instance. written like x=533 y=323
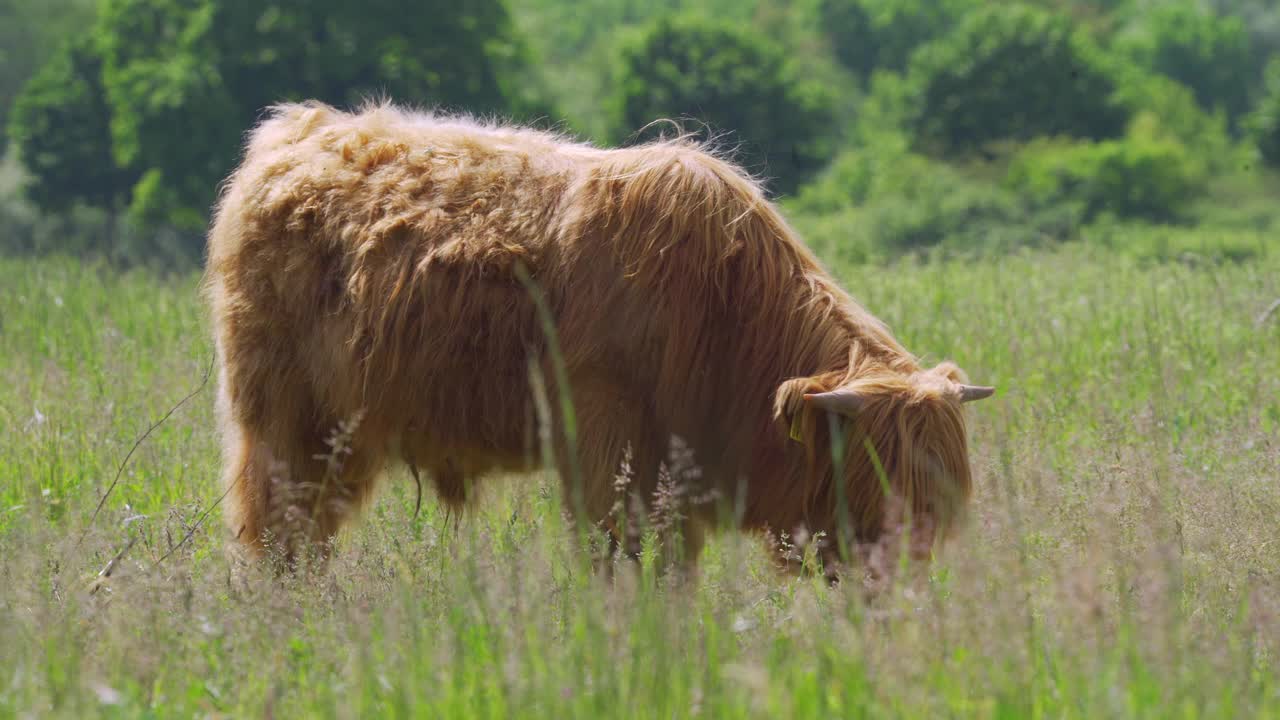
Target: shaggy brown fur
x=366 y=265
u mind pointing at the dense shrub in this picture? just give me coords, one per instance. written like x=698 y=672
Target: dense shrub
x=184 y=79
x=1207 y=52
x=1261 y=20
x=60 y=123
x=1139 y=176
x=32 y=31
x=1013 y=72
x=1173 y=243
x=884 y=200
x=867 y=35
x=1170 y=110
x=736 y=82
x=857 y=174
x=89 y=233
x=82 y=231
x=942 y=208
x=1264 y=122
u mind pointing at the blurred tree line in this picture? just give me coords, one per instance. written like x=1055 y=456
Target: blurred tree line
x=884 y=125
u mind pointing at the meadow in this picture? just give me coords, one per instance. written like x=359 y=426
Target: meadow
x=1121 y=557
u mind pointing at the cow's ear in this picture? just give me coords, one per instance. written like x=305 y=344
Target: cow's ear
x=789 y=408
x=950 y=371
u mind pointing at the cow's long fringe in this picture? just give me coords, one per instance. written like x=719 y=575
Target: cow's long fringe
x=366 y=262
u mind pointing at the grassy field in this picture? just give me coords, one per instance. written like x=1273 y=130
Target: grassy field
x=1122 y=558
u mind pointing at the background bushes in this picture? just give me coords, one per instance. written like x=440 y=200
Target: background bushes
x=867 y=35
x=1140 y=176
x=177 y=104
x=734 y=81
x=1209 y=53
x=886 y=199
x=1264 y=123
x=1013 y=72
x=885 y=126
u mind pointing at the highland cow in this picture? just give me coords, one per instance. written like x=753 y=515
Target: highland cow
x=443 y=281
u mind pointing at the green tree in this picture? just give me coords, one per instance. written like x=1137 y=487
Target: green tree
x=1142 y=175
x=733 y=80
x=866 y=35
x=60 y=122
x=1207 y=52
x=1012 y=72
x=1261 y=19
x=886 y=199
x=1264 y=122
x=1180 y=117
x=184 y=79
x=30 y=32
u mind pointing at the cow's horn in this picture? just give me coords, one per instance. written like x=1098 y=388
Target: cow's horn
x=969 y=393
x=843 y=401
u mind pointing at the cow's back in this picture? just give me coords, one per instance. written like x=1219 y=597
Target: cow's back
x=380 y=250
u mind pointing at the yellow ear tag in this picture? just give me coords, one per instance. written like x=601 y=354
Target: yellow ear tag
x=795 y=426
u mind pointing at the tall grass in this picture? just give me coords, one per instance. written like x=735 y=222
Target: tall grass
x=1122 y=558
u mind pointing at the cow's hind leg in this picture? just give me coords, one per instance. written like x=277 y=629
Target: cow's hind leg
x=291 y=481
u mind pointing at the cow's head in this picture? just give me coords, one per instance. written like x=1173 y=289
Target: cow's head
x=883 y=445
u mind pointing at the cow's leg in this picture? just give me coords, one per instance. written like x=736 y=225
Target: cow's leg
x=291 y=478
x=612 y=456
x=615 y=484
x=291 y=494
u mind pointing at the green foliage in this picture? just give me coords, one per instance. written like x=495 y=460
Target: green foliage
x=178 y=103
x=1207 y=52
x=868 y=35
x=1013 y=72
x=1264 y=122
x=575 y=42
x=1140 y=176
x=1261 y=20
x=881 y=200
x=936 y=206
x=173 y=116
x=1171 y=110
x=1176 y=243
x=31 y=31
x=734 y=81
x=60 y=122
x=151 y=126
x=564 y=28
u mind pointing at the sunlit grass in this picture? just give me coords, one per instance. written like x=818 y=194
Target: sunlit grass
x=1121 y=560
